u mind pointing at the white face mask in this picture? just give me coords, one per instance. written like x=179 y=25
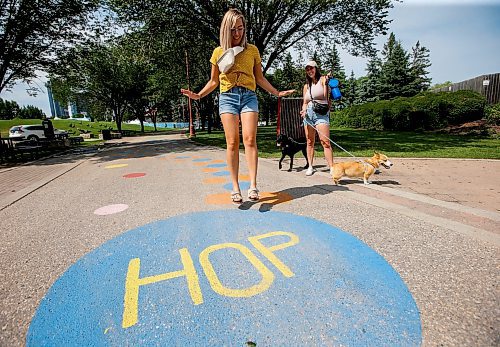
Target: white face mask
x=226 y=61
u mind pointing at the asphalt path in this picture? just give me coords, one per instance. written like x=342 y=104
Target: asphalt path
x=139 y=244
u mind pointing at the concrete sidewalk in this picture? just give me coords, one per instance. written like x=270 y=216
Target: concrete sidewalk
x=441 y=241
x=462 y=190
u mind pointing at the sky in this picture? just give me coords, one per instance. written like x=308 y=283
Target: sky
x=463 y=37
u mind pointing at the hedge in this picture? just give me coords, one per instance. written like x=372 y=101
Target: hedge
x=493 y=114
x=425 y=111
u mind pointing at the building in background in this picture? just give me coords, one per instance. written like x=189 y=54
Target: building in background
x=57 y=111
x=486 y=85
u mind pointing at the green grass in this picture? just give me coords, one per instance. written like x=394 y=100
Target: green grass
x=72 y=126
x=362 y=143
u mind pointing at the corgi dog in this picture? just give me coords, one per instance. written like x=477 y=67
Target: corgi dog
x=364 y=168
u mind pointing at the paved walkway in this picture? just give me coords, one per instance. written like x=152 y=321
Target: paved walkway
x=441 y=241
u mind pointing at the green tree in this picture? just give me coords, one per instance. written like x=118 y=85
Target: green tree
x=8 y=109
x=350 y=91
x=395 y=77
x=389 y=46
x=441 y=85
x=33 y=32
x=289 y=75
x=274 y=26
x=30 y=112
x=100 y=74
x=333 y=65
x=370 y=85
x=420 y=63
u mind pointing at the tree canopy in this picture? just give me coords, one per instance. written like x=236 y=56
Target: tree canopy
x=33 y=33
x=274 y=26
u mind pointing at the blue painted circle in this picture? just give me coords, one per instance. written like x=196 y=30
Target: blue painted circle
x=244 y=185
x=341 y=291
x=202 y=159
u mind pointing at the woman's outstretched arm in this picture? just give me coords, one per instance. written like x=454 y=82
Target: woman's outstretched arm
x=208 y=88
x=264 y=83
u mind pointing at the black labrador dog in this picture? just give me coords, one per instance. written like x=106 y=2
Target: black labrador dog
x=290 y=147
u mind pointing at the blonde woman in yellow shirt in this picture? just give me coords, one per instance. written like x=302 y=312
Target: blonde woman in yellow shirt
x=238 y=100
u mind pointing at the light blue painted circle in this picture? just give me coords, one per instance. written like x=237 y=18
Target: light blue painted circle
x=217 y=165
x=182 y=157
x=221 y=173
x=244 y=185
x=202 y=159
x=342 y=292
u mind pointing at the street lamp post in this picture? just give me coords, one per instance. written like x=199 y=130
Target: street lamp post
x=191 y=125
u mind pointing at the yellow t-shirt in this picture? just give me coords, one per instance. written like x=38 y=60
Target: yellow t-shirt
x=241 y=73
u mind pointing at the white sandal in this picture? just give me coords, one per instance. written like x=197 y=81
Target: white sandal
x=236 y=198
x=253 y=194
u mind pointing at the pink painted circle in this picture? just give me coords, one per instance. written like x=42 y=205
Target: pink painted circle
x=110 y=209
x=134 y=175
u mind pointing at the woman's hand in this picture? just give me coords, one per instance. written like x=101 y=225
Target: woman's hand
x=190 y=94
x=286 y=92
x=303 y=112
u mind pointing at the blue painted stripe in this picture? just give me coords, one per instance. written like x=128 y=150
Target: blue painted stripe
x=244 y=185
x=217 y=165
x=221 y=173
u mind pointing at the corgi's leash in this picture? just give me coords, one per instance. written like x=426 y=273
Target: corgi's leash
x=329 y=139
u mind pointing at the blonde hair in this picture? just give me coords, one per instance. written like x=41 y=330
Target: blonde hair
x=228 y=22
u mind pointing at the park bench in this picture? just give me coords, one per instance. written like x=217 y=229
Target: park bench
x=32 y=149
x=20 y=150
x=127 y=133
x=53 y=143
x=14 y=151
x=6 y=150
x=75 y=140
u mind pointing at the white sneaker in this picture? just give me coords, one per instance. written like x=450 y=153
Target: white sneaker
x=310 y=171
x=331 y=170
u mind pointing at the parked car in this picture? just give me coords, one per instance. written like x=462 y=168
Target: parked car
x=32 y=132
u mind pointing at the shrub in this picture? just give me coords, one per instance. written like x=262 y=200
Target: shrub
x=425 y=111
x=492 y=114
x=463 y=106
x=397 y=116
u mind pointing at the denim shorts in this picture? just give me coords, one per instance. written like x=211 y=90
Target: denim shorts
x=315 y=118
x=238 y=100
